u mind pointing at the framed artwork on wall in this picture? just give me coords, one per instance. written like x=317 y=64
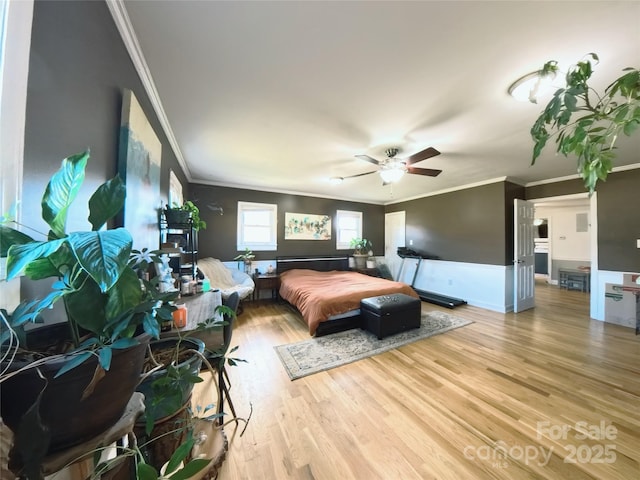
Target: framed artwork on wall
x=175 y=190
x=139 y=166
x=306 y=226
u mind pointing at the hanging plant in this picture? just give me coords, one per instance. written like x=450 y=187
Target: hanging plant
x=585 y=123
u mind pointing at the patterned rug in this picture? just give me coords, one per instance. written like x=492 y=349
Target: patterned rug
x=318 y=354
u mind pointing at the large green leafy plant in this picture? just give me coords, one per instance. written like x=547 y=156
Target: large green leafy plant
x=361 y=246
x=96 y=271
x=193 y=210
x=585 y=123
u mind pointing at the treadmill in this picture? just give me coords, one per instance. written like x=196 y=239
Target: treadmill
x=431 y=297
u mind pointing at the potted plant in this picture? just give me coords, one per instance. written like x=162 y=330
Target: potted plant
x=191 y=445
x=111 y=312
x=183 y=214
x=361 y=251
x=246 y=257
x=170 y=372
x=586 y=123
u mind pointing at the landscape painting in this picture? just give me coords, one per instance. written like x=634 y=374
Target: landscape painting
x=139 y=166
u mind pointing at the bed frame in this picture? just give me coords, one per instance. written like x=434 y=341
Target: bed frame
x=322 y=263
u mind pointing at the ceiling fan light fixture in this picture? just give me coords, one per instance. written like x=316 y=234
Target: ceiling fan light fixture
x=530 y=86
x=392 y=174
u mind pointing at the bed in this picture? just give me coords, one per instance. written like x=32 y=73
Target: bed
x=327 y=294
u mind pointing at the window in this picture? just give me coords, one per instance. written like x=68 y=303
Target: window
x=348 y=226
x=257 y=226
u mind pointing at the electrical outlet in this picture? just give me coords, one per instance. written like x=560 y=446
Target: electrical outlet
x=450 y=282
x=638 y=243
x=411 y=243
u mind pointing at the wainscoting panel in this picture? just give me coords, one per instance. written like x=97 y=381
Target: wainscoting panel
x=485 y=286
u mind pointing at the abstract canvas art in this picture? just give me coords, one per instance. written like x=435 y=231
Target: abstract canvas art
x=139 y=166
x=305 y=226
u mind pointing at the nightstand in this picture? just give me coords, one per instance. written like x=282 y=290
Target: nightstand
x=266 y=281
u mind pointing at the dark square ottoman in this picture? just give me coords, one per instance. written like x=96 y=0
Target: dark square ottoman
x=389 y=314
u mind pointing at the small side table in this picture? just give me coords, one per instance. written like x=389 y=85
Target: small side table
x=574 y=279
x=266 y=281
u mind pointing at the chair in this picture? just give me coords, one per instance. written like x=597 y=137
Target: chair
x=228 y=280
x=218 y=357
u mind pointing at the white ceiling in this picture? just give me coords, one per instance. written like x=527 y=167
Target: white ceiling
x=281 y=95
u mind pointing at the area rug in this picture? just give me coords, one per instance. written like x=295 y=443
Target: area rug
x=318 y=354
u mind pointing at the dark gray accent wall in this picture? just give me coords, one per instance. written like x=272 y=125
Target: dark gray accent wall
x=556 y=189
x=618 y=217
x=511 y=192
x=77 y=71
x=619 y=222
x=219 y=238
x=469 y=225
x=78 y=68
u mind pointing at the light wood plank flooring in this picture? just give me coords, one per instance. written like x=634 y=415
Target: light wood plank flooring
x=447 y=407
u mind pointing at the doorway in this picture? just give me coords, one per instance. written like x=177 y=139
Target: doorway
x=571 y=244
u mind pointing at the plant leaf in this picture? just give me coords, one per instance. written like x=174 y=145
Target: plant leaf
x=630 y=127
x=75 y=361
x=29 y=311
x=123 y=343
x=103 y=255
x=179 y=455
x=41 y=268
x=10 y=236
x=86 y=307
x=190 y=469
x=20 y=255
x=124 y=295
x=104 y=355
x=106 y=202
x=151 y=325
x=146 y=472
x=98 y=374
x=62 y=190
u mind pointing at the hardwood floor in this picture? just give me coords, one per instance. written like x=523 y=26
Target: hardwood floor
x=509 y=397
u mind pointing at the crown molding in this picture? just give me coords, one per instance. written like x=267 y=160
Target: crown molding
x=283 y=191
x=453 y=189
x=575 y=176
x=123 y=23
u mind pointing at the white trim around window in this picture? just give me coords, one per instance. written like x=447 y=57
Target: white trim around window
x=257 y=226
x=348 y=226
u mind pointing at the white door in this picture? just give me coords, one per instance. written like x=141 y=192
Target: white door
x=394 y=237
x=523 y=263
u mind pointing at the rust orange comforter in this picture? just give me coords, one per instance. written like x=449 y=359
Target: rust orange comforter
x=320 y=295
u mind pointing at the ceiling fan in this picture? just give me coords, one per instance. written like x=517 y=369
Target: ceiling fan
x=391 y=169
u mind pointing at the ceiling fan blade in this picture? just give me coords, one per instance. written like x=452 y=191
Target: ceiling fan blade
x=423 y=155
x=361 y=174
x=429 y=172
x=369 y=159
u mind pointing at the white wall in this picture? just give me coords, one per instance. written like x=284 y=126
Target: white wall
x=15 y=44
x=568 y=248
x=485 y=286
x=565 y=242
